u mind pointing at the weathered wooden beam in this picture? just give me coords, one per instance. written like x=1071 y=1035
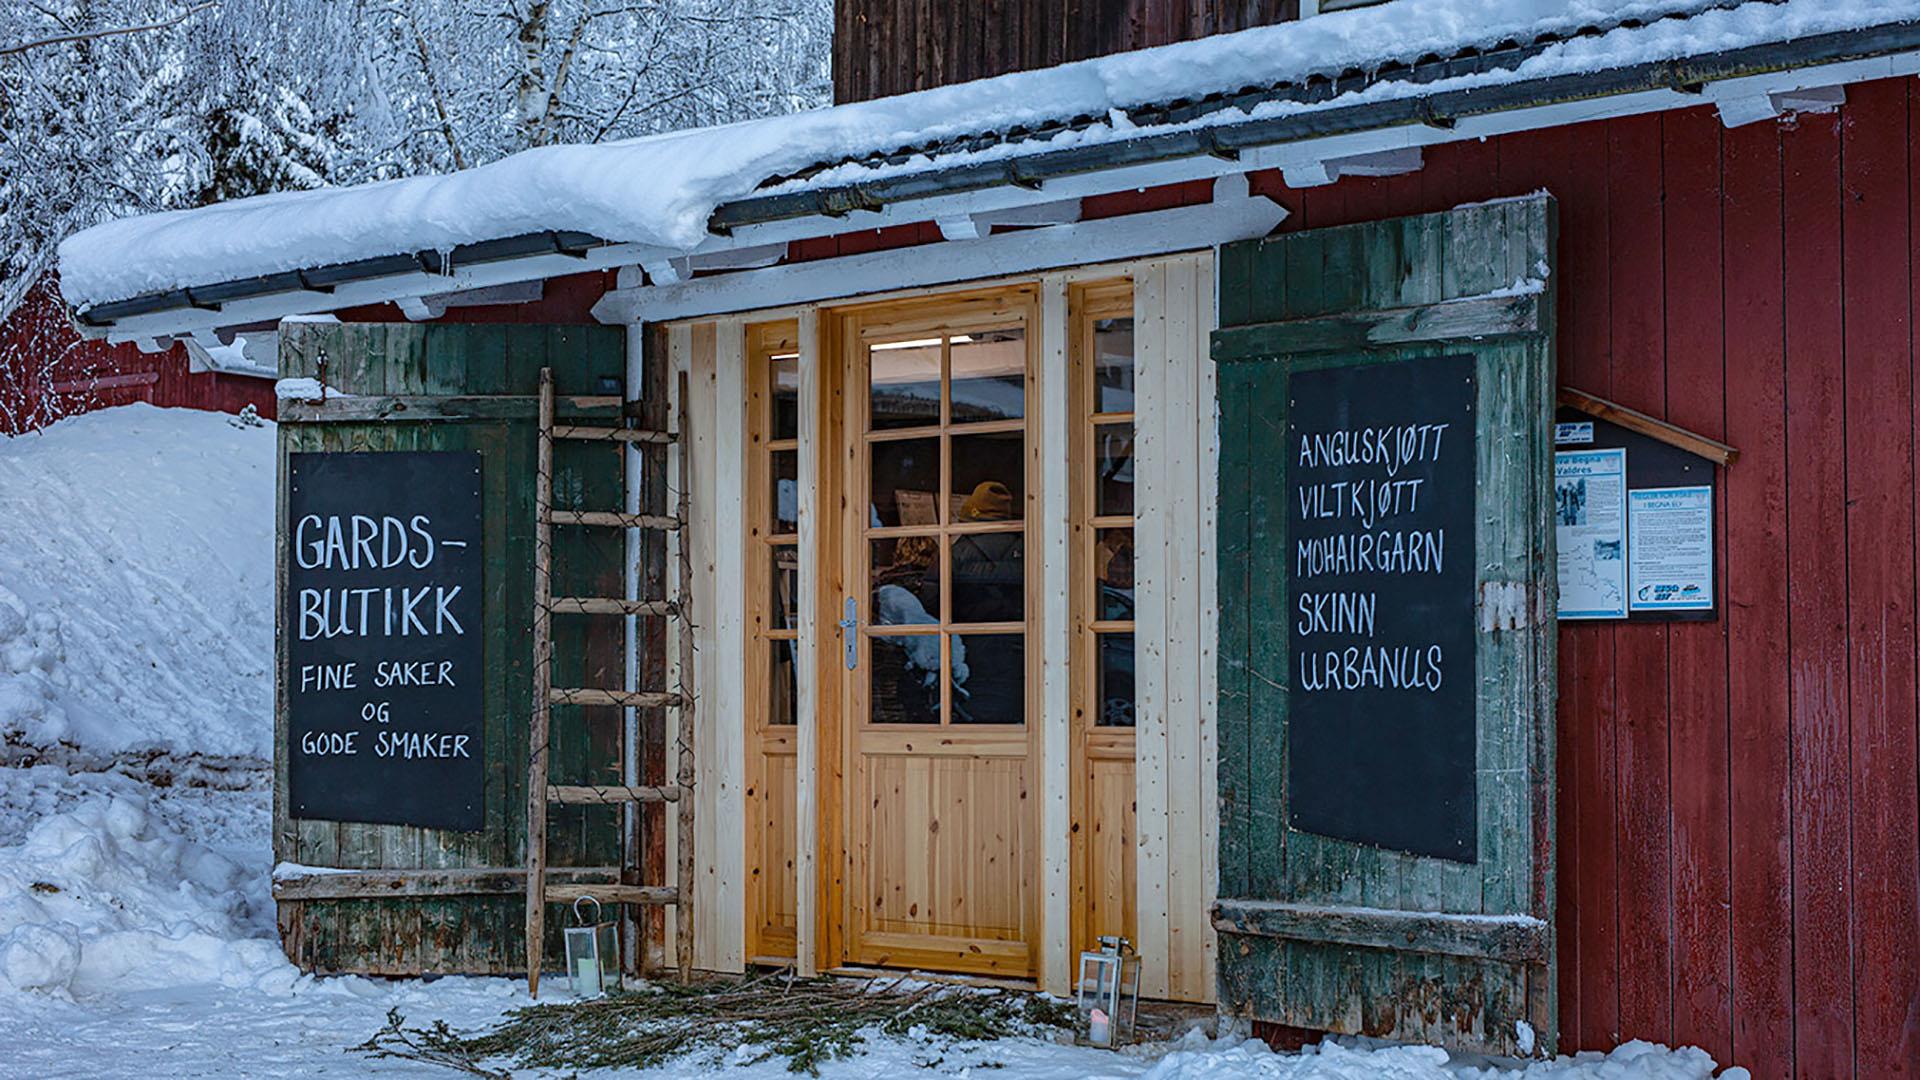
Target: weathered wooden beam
x=614 y=894
x=605 y=794
x=612 y=434
x=540 y=726
x=1516 y=939
x=607 y=605
x=615 y=519
x=326 y=884
x=684 y=776
x=401 y=407
x=1449 y=320
x=1633 y=420
x=637 y=699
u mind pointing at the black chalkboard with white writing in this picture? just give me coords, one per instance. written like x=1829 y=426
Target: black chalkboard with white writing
x=383 y=638
x=1380 y=605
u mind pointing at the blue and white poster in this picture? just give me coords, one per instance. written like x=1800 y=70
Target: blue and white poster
x=1590 y=523
x=1670 y=549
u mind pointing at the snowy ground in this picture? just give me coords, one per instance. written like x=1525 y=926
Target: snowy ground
x=136 y=927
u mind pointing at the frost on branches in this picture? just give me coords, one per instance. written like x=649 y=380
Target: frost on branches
x=117 y=107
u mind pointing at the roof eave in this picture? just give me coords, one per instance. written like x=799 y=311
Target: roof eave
x=1440 y=109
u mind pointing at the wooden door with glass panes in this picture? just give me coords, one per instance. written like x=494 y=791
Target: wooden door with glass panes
x=940 y=846
x=773 y=581
x=1104 y=837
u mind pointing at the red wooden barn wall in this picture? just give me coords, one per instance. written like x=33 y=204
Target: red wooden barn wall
x=88 y=375
x=1737 y=805
x=1738 y=800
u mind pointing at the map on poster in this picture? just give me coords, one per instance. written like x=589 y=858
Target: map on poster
x=1590 y=520
x=1670 y=560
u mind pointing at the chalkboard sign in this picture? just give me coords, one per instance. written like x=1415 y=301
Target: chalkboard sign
x=1380 y=605
x=382 y=630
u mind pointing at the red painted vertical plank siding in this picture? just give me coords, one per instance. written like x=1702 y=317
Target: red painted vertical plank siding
x=1755 y=591
x=1875 y=201
x=39 y=329
x=1697 y=687
x=1817 y=617
x=1589 y=870
x=1637 y=333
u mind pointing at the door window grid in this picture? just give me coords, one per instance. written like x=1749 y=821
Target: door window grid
x=945 y=445
x=1105 y=498
x=775 y=522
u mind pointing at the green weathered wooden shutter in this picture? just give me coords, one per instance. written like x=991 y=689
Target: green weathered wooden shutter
x=468 y=388
x=1454 y=945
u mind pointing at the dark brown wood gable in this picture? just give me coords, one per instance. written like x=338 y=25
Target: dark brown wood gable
x=887 y=47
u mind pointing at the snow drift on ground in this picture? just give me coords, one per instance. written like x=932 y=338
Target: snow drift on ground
x=137 y=930
x=660 y=190
x=136 y=583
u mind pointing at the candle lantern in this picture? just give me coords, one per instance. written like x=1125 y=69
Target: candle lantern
x=591 y=950
x=1109 y=992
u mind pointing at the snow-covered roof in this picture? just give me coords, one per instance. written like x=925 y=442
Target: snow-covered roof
x=663 y=191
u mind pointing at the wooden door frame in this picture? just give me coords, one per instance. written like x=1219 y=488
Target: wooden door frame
x=1086 y=302
x=763 y=339
x=840 y=476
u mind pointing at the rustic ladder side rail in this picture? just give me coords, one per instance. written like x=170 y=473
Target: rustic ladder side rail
x=541 y=886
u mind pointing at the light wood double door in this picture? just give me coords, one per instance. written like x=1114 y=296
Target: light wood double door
x=934 y=810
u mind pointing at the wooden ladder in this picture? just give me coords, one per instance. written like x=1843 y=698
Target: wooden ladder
x=541 y=792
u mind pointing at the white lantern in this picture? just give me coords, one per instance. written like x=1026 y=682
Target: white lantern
x=591 y=949
x=1109 y=992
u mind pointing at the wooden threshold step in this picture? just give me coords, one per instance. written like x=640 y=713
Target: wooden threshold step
x=612 y=518
x=639 y=699
x=600 y=794
x=607 y=605
x=613 y=894
x=611 y=434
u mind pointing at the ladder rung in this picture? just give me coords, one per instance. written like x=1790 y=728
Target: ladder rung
x=611 y=434
x=601 y=794
x=614 y=894
x=613 y=518
x=607 y=605
x=639 y=699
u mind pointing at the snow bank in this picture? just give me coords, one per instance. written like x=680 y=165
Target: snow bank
x=108 y=896
x=136 y=584
x=1250 y=1060
x=660 y=190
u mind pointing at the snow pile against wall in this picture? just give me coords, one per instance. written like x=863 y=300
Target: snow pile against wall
x=661 y=189
x=1333 y=1061
x=122 y=889
x=136 y=584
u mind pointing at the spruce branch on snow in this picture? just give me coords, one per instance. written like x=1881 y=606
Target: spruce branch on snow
x=805 y=1022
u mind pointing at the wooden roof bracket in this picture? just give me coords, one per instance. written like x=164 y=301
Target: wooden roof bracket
x=1633 y=420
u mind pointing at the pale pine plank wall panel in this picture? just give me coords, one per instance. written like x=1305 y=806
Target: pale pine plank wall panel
x=713 y=355
x=722 y=861
x=1175 y=744
x=806 y=830
x=1056 y=422
x=1153 y=529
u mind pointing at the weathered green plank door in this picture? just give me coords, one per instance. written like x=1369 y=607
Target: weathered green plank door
x=1386 y=628
x=404 y=386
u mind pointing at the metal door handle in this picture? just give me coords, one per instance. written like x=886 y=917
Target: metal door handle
x=849 y=636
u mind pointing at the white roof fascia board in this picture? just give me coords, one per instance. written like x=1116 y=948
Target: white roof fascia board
x=1763 y=97
x=1307 y=154
x=1231 y=218
x=176 y=322
x=984 y=201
